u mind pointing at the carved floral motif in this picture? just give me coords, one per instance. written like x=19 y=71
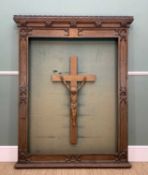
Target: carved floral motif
x=123 y=95
x=48 y=23
x=72 y=158
x=122 y=33
x=73 y=23
x=121 y=156
x=98 y=23
x=23 y=156
x=25 y=32
x=23 y=94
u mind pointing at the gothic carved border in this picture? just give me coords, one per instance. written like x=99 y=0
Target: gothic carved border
x=73 y=21
x=73 y=27
x=123 y=95
x=23 y=94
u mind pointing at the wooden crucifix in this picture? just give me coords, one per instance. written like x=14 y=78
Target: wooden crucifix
x=73 y=83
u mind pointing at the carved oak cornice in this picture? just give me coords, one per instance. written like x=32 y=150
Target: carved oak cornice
x=73 y=21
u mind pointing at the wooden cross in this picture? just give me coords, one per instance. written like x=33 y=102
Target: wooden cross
x=73 y=83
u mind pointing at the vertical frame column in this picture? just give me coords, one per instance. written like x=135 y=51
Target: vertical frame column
x=122 y=96
x=23 y=94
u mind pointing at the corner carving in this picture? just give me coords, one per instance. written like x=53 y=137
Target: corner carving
x=23 y=94
x=122 y=33
x=25 y=32
x=122 y=156
x=23 y=156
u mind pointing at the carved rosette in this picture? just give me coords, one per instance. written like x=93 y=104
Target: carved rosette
x=98 y=23
x=48 y=23
x=123 y=95
x=23 y=156
x=25 y=32
x=73 y=23
x=23 y=94
x=122 y=33
x=72 y=158
x=121 y=156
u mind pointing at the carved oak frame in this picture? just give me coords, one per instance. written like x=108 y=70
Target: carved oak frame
x=73 y=27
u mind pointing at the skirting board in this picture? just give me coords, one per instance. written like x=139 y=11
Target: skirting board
x=134 y=73
x=9 y=73
x=136 y=153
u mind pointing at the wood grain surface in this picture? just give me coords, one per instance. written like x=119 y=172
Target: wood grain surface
x=137 y=169
x=70 y=28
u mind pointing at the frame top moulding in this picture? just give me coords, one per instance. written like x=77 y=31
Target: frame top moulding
x=73 y=21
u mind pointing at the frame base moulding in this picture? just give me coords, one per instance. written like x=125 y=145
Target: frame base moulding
x=136 y=154
x=75 y=165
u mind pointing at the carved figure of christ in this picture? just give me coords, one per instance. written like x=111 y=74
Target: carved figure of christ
x=73 y=82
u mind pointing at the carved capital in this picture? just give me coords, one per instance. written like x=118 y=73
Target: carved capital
x=25 y=32
x=123 y=95
x=122 y=33
x=72 y=158
x=23 y=94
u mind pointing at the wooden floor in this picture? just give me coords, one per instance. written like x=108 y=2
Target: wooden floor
x=137 y=169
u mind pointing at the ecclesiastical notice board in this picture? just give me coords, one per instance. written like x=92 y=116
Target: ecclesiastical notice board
x=72 y=91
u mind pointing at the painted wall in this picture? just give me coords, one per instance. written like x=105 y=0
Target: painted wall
x=138 y=57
